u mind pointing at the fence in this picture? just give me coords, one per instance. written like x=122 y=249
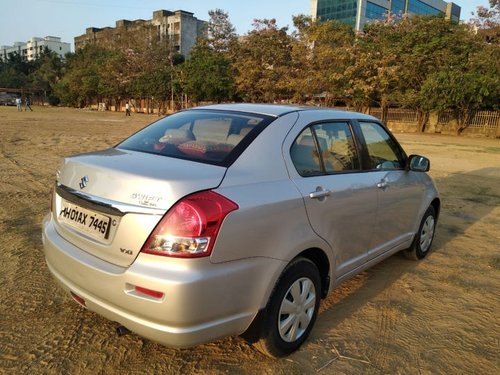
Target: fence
x=486 y=123
x=396 y=114
x=484 y=120
x=444 y=117
x=480 y=122
x=477 y=120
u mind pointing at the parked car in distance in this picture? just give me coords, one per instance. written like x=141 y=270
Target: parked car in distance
x=235 y=219
x=7 y=98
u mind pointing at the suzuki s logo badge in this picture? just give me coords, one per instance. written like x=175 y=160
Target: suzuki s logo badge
x=84 y=181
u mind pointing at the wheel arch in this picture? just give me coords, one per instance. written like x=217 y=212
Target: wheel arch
x=436 y=203
x=321 y=261
x=315 y=255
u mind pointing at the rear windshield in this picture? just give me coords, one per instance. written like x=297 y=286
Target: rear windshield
x=209 y=136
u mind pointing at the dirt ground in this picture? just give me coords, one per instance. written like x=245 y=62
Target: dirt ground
x=438 y=316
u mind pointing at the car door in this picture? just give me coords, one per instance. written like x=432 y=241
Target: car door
x=341 y=202
x=399 y=191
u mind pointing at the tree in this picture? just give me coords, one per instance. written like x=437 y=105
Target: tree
x=322 y=51
x=423 y=63
x=374 y=74
x=442 y=65
x=487 y=21
x=207 y=75
x=424 y=45
x=48 y=71
x=263 y=62
x=112 y=76
x=82 y=81
x=14 y=72
x=221 y=32
x=465 y=88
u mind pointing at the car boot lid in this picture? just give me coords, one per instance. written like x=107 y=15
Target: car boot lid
x=137 y=178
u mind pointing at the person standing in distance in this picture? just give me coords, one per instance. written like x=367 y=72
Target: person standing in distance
x=127 y=109
x=27 y=104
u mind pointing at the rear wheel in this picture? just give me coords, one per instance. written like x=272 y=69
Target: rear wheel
x=292 y=309
x=423 y=239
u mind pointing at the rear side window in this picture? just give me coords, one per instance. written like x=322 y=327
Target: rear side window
x=305 y=155
x=324 y=149
x=383 y=151
x=214 y=137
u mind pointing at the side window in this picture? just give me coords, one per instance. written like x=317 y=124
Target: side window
x=305 y=155
x=337 y=147
x=337 y=151
x=383 y=151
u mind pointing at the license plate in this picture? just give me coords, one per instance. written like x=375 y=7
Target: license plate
x=87 y=221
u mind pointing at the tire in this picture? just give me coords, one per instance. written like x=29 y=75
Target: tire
x=291 y=310
x=423 y=239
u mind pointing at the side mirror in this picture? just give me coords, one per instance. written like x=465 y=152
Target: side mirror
x=418 y=163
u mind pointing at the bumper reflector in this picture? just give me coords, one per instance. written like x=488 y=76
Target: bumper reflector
x=149 y=292
x=79 y=299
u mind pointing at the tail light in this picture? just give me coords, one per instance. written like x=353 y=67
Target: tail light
x=190 y=227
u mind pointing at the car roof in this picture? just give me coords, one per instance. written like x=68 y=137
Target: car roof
x=277 y=110
x=263 y=109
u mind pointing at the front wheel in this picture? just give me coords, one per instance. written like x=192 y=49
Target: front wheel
x=423 y=239
x=292 y=309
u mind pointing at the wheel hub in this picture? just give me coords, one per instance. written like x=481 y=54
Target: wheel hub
x=297 y=309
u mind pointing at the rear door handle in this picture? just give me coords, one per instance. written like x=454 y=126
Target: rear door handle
x=319 y=193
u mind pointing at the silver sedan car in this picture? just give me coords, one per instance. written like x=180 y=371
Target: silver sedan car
x=235 y=219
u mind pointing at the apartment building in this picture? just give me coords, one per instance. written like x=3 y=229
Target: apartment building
x=32 y=49
x=180 y=28
x=357 y=13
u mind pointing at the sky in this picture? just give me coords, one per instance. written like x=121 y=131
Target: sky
x=23 y=19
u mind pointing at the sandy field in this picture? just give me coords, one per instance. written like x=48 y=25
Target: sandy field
x=438 y=316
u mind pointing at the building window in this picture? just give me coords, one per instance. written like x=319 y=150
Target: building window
x=340 y=10
x=398 y=7
x=418 y=7
x=375 y=12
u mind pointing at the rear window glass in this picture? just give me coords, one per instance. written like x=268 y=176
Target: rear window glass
x=215 y=137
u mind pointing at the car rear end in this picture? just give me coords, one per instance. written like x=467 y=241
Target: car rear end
x=132 y=229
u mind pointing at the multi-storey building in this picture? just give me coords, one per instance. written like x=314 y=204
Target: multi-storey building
x=32 y=49
x=179 y=28
x=358 y=12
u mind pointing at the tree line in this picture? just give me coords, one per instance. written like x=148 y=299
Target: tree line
x=425 y=63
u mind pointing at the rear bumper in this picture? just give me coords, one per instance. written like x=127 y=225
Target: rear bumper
x=202 y=301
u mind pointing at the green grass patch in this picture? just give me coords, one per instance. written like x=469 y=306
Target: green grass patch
x=495 y=150
x=495 y=263
x=483 y=199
